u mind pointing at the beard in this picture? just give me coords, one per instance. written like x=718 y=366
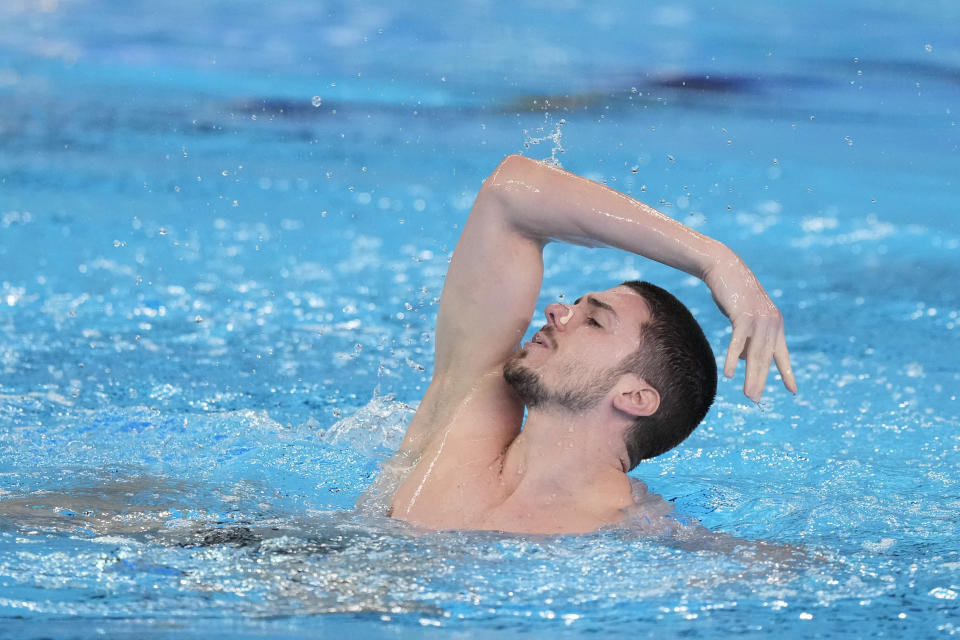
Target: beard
x=578 y=396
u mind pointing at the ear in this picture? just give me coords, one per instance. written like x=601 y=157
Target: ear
x=634 y=396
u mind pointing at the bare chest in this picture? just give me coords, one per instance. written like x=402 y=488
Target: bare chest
x=543 y=517
x=443 y=497
x=482 y=500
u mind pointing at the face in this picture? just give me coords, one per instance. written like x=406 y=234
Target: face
x=574 y=360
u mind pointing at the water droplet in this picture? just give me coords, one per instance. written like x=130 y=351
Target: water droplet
x=316 y=101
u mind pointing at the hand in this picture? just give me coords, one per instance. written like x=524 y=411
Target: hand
x=757 y=325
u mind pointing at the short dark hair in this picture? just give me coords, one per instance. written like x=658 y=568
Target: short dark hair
x=675 y=358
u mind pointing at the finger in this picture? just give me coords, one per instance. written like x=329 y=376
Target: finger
x=782 y=357
x=758 y=366
x=737 y=344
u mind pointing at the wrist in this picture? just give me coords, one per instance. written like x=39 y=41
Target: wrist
x=715 y=256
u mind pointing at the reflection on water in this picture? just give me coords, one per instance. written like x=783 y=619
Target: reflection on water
x=346 y=561
x=184 y=546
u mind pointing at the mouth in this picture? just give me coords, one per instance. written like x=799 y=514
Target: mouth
x=542 y=340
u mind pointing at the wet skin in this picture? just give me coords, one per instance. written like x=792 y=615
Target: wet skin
x=565 y=470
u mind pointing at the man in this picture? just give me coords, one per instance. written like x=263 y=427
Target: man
x=618 y=376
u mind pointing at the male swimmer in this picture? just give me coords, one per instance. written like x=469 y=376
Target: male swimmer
x=616 y=377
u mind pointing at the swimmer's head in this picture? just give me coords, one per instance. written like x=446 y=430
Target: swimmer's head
x=575 y=364
x=675 y=358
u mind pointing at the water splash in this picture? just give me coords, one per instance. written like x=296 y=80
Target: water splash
x=376 y=427
x=555 y=137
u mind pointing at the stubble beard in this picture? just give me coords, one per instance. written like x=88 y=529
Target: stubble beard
x=578 y=397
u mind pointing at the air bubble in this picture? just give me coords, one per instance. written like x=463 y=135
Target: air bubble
x=914 y=370
x=316 y=101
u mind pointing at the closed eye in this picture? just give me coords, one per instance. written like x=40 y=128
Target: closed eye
x=593 y=322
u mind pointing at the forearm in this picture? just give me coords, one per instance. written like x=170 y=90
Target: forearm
x=547 y=203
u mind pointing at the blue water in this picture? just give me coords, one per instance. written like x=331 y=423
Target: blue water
x=217 y=302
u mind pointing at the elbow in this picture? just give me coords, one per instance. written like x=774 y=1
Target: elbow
x=512 y=197
x=510 y=169
x=510 y=181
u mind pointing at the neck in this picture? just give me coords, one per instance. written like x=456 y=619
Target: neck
x=570 y=456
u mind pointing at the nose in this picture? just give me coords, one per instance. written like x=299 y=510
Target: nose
x=558 y=315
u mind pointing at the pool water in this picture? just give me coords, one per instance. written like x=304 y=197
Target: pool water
x=224 y=229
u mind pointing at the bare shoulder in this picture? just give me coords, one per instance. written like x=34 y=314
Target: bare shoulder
x=459 y=433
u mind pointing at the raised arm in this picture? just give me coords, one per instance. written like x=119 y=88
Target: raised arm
x=496 y=271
